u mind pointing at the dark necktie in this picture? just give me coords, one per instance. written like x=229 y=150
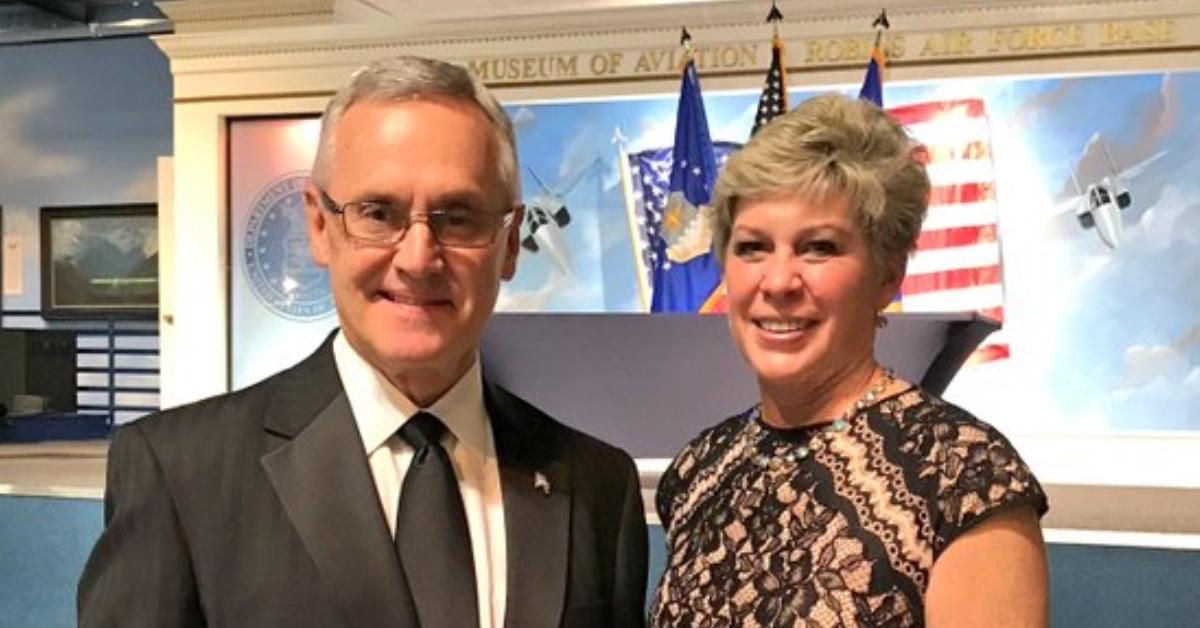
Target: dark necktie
x=431 y=531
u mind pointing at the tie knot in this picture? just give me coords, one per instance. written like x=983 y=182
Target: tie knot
x=423 y=429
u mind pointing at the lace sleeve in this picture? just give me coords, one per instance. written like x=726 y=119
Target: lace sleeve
x=980 y=474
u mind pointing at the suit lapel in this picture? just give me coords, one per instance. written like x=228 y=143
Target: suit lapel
x=536 y=488
x=321 y=476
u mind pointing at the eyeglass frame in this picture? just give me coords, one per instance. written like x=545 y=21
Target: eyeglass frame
x=500 y=221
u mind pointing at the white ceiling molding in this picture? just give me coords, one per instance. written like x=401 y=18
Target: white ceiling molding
x=315 y=57
x=241 y=15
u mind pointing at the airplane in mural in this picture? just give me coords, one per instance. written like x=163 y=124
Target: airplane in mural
x=547 y=215
x=1100 y=206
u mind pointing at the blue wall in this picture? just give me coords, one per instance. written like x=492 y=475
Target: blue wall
x=44 y=543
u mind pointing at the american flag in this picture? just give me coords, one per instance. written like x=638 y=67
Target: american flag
x=957 y=266
x=774 y=98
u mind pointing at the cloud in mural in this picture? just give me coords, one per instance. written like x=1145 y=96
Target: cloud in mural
x=1043 y=103
x=143 y=188
x=511 y=300
x=737 y=129
x=1158 y=115
x=20 y=159
x=657 y=132
x=1145 y=364
x=523 y=117
x=581 y=151
x=1142 y=346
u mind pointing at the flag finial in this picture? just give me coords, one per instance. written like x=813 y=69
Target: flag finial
x=775 y=15
x=881 y=21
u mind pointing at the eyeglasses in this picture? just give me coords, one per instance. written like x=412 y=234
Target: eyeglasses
x=377 y=223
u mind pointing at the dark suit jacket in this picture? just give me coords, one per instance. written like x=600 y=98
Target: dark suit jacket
x=257 y=509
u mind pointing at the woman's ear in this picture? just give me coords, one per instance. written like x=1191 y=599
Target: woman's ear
x=891 y=277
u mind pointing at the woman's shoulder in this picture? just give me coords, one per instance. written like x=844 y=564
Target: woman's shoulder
x=926 y=420
x=699 y=454
x=708 y=445
x=720 y=435
x=973 y=470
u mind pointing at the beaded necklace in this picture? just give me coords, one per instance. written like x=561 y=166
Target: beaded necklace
x=755 y=431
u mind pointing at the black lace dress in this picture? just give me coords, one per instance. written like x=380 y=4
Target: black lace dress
x=843 y=536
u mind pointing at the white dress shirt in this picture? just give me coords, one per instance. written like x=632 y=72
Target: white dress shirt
x=379 y=411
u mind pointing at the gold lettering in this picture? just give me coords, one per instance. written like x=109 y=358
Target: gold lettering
x=1166 y=31
x=643 y=64
x=479 y=67
x=815 y=51
x=614 y=61
x=525 y=68
x=1044 y=38
x=822 y=50
x=1141 y=32
x=964 y=43
x=749 y=55
x=599 y=64
x=652 y=61
x=1072 y=36
x=957 y=43
x=568 y=67
x=728 y=57
x=933 y=46
x=856 y=49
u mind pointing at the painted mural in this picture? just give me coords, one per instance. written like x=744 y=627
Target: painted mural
x=1102 y=319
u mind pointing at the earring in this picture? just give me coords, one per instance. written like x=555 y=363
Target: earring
x=881 y=321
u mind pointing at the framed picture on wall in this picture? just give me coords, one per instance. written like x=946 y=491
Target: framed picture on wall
x=99 y=260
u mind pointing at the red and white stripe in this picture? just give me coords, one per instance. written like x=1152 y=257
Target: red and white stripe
x=957 y=265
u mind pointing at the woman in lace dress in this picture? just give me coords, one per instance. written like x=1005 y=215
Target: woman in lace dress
x=846 y=496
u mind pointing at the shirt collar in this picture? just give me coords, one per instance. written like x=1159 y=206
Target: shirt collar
x=380 y=409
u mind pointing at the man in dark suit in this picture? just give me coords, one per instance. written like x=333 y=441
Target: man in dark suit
x=382 y=481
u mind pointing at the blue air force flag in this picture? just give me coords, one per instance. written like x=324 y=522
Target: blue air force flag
x=675 y=220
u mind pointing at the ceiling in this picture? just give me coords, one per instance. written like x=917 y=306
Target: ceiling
x=27 y=21
x=32 y=21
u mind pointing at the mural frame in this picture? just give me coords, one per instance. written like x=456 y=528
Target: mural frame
x=128 y=297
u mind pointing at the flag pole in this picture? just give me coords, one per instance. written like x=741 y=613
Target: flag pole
x=631 y=219
x=773 y=101
x=880 y=25
x=872 y=87
x=774 y=17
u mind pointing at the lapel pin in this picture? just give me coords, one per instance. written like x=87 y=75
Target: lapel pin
x=541 y=483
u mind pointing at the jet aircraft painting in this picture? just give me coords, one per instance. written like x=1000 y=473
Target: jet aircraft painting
x=547 y=215
x=1100 y=206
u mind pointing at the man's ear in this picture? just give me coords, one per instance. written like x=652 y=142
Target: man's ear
x=512 y=243
x=318 y=223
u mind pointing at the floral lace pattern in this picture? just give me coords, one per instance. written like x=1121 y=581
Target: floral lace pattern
x=846 y=537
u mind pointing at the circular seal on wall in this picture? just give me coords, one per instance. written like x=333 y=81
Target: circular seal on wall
x=275 y=253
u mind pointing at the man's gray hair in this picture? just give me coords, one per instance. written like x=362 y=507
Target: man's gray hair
x=404 y=78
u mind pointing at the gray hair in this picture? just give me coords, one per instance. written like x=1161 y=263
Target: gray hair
x=832 y=146
x=405 y=78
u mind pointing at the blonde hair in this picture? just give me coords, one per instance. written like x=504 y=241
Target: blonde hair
x=832 y=146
